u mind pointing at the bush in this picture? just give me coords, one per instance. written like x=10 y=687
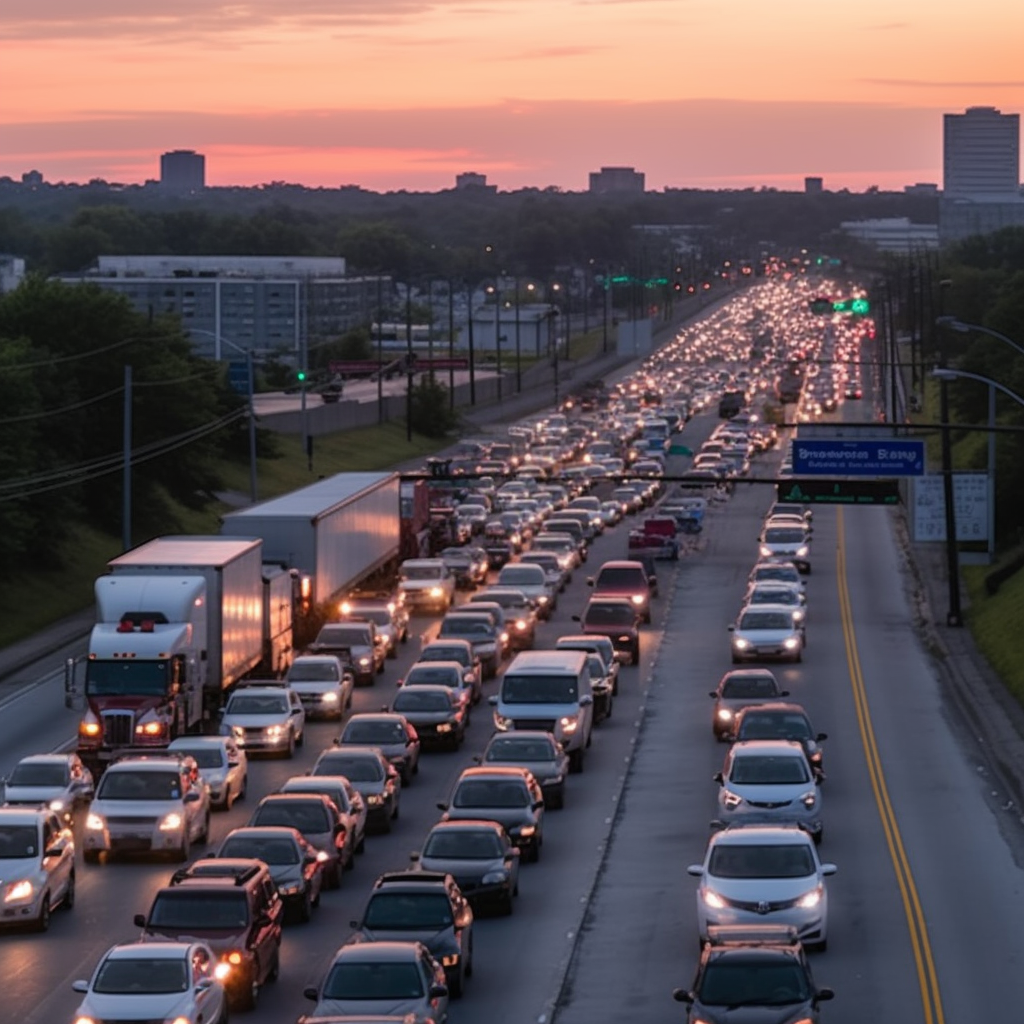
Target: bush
x=431 y=411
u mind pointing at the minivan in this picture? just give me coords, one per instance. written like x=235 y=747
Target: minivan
x=551 y=691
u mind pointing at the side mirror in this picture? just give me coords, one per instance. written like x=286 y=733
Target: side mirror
x=712 y=693
x=821 y=737
x=311 y=993
x=441 y=991
x=415 y=856
x=442 y=806
x=53 y=851
x=478 y=759
x=590 y=581
x=731 y=628
x=718 y=777
x=537 y=805
x=680 y=995
x=586 y=700
x=398 y=683
x=80 y=986
x=823 y=995
x=234 y=764
x=493 y=700
x=696 y=870
x=139 y=920
x=353 y=924
x=576 y=618
x=192 y=797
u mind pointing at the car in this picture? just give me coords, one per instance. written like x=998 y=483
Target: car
x=422 y=906
x=295 y=864
x=764 y=874
x=555 y=574
x=222 y=765
x=769 y=782
x=37 y=858
x=509 y=795
x=787 y=544
x=519 y=616
x=451 y=675
x=165 y=981
x=533 y=581
x=563 y=546
x=739 y=689
x=776 y=720
x=479 y=855
x=460 y=651
x=776 y=572
x=388 y=615
x=626 y=579
x=468 y=564
x=356 y=642
x=599 y=645
x=437 y=714
x=319 y=821
x=767 y=632
x=427 y=583
x=264 y=718
x=537 y=751
x=479 y=630
x=780 y=594
x=750 y=974
x=790 y=508
x=366 y=978
x=239 y=917
x=617 y=618
x=59 y=781
x=344 y=796
x=148 y=803
x=390 y=733
x=323 y=684
x=611 y=513
x=371 y=775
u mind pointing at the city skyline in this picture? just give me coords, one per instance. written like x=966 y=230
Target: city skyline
x=405 y=94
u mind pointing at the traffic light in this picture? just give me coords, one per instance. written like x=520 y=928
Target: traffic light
x=821 y=305
x=859 y=306
x=300 y=376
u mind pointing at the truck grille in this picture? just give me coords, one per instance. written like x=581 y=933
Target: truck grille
x=118 y=727
x=542 y=724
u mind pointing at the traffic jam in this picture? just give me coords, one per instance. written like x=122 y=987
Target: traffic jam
x=243 y=782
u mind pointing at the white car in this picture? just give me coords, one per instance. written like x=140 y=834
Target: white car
x=426 y=583
x=37 y=861
x=58 y=781
x=265 y=717
x=222 y=765
x=780 y=594
x=323 y=685
x=766 y=632
x=533 y=581
x=764 y=875
x=155 y=981
x=787 y=544
x=148 y=803
x=776 y=572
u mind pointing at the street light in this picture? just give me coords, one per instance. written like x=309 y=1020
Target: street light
x=964 y=328
x=496 y=288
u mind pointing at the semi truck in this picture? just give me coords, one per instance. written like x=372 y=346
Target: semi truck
x=179 y=621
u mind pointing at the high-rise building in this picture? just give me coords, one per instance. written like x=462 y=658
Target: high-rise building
x=183 y=170
x=616 y=179
x=981 y=155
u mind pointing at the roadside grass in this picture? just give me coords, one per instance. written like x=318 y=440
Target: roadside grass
x=30 y=601
x=995 y=622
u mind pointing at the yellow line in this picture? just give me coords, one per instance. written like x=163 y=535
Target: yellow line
x=927 y=979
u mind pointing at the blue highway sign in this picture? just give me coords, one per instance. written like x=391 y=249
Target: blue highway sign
x=870 y=457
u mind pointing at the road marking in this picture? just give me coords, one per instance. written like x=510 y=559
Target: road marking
x=927 y=979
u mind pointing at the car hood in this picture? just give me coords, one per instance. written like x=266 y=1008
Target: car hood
x=218 y=939
x=787 y=1014
x=285 y=874
x=757 y=889
x=771 y=792
x=136 y=808
x=540 y=770
x=463 y=868
x=420 y=584
x=397 y=1007
x=254 y=721
x=167 y=1005
x=14 y=869
x=440 y=942
x=34 y=794
x=764 y=636
x=427 y=717
x=315 y=686
x=510 y=817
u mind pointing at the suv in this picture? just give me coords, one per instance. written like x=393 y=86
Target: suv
x=323 y=684
x=388 y=615
x=264 y=716
x=148 y=802
x=376 y=781
x=478 y=628
x=427 y=583
x=38 y=855
x=753 y=973
x=239 y=916
x=427 y=907
x=626 y=579
x=359 y=646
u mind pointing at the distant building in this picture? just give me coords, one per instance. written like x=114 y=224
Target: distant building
x=616 y=180
x=961 y=218
x=33 y=179
x=894 y=234
x=183 y=170
x=814 y=186
x=921 y=188
x=981 y=155
x=272 y=304
x=12 y=272
x=472 y=180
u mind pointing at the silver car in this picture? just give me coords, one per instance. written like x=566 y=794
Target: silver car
x=323 y=684
x=222 y=765
x=788 y=544
x=265 y=718
x=58 y=781
x=764 y=875
x=536 y=751
x=769 y=782
x=345 y=797
x=37 y=862
x=767 y=632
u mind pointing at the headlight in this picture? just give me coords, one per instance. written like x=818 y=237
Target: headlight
x=273 y=731
x=329 y=698
x=569 y=723
x=375 y=799
x=803 y=552
x=809 y=800
x=712 y=899
x=542 y=599
x=740 y=644
x=222 y=970
x=504 y=638
x=88 y=727
x=436 y=592
x=290 y=890
x=731 y=799
x=95 y=823
x=149 y=729
x=56 y=805
x=84 y=1020
x=234 y=958
x=809 y=900
x=527 y=830
x=724 y=714
x=451 y=960
x=494 y=878
x=791 y=643
x=444 y=726
x=637 y=599
x=468 y=677
x=502 y=723
x=798 y=616
x=520 y=624
x=764 y=550
x=171 y=822
x=179 y=1020
x=364 y=662
x=18 y=891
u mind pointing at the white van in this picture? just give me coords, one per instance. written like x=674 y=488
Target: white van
x=549 y=690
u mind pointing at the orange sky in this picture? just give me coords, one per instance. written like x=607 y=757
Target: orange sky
x=393 y=94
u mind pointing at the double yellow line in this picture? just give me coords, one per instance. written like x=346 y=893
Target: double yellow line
x=927 y=979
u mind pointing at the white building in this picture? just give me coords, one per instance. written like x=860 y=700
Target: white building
x=12 y=272
x=981 y=155
x=893 y=234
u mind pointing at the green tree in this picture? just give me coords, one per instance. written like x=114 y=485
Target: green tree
x=431 y=410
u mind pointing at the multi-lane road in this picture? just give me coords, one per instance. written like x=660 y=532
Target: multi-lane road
x=927 y=908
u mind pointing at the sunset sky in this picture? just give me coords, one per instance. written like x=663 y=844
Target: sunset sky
x=405 y=94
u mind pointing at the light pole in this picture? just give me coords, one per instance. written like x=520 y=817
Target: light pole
x=519 y=352
x=496 y=288
x=472 y=360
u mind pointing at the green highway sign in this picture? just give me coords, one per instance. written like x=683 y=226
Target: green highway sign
x=679 y=449
x=839 y=492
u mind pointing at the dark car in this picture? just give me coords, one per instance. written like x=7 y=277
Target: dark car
x=437 y=714
x=778 y=721
x=427 y=907
x=468 y=564
x=739 y=689
x=372 y=777
x=750 y=975
x=391 y=733
x=238 y=917
x=537 y=751
x=629 y=579
x=616 y=618
x=479 y=855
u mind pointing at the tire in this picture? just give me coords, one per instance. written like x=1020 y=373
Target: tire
x=290 y=751
x=457 y=987
x=798 y=657
x=300 y=740
x=275 y=968
x=224 y=1014
x=818 y=947
x=392 y=652
x=68 y=902
x=361 y=848
x=332 y=880
x=557 y=800
x=608 y=709
x=42 y=922
x=647 y=618
x=507 y=906
x=380 y=668
x=534 y=853
x=244 y=789
x=634 y=654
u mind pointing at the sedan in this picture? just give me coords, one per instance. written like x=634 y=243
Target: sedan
x=60 y=781
x=376 y=781
x=350 y=805
x=739 y=689
x=538 y=752
x=222 y=766
x=316 y=817
x=764 y=632
x=779 y=721
x=391 y=733
x=764 y=875
x=435 y=712
x=787 y=544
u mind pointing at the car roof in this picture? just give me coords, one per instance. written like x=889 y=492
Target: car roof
x=354 y=749
x=496 y=772
x=375 y=716
x=294 y=798
x=268 y=831
x=46 y=759
x=523 y=734
x=393 y=951
x=775 y=707
x=151 y=950
x=454 y=666
x=22 y=815
x=760 y=748
x=766 y=608
x=469 y=825
x=623 y=563
x=147 y=762
x=761 y=835
x=188 y=742
x=446 y=642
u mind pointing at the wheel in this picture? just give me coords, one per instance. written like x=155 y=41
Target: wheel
x=818 y=947
x=244 y=788
x=42 y=922
x=392 y=652
x=798 y=657
x=223 y=1018
x=290 y=751
x=300 y=740
x=275 y=967
x=507 y=906
x=456 y=986
x=608 y=709
x=361 y=845
x=818 y=836
x=380 y=668
x=634 y=654
x=556 y=801
x=647 y=618
x=333 y=877
x=534 y=853
x=69 y=893
x=407 y=777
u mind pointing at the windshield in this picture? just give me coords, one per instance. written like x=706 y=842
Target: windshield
x=451 y=844
x=768 y=770
x=127 y=678
x=18 y=842
x=344 y=636
x=539 y=689
x=355 y=769
x=251 y=704
x=199 y=911
x=775 y=727
x=205 y=757
x=778 y=572
x=766 y=620
x=422 y=572
x=784 y=535
x=378 y=616
x=139 y=786
x=519 y=750
x=465 y=626
x=521 y=577
x=410 y=700
x=373 y=981
x=743 y=981
x=270 y=851
x=609 y=615
x=407 y=911
x=546 y=544
x=772 y=860
x=428 y=675
x=371 y=733
x=439 y=653
x=308 y=818
x=37 y=774
x=780 y=595
x=620 y=578
x=749 y=687
x=491 y=793
x=138 y=976
x=313 y=672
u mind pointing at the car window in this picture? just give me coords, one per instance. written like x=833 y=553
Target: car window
x=369 y=980
x=408 y=911
x=769 y=769
x=519 y=750
x=776 y=982
x=313 y=672
x=432 y=676
x=410 y=701
x=771 y=860
x=450 y=844
x=372 y=733
x=765 y=620
x=252 y=704
x=204 y=757
x=141 y=976
x=747 y=687
x=195 y=911
x=18 y=841
x=270 y=851
x=140 y=786
x=38 y=774
x=775 y=727
x=355 y=769
x=305 y=817
x=491 y=793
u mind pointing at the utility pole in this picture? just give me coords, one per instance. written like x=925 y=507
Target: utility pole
x=126 y=512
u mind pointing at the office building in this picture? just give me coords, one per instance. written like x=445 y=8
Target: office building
x=814 y=186
x=183 y=170
x=12 y=272
x=894 y=234
x=616 y=180
x=981 y=155
x=474 y=181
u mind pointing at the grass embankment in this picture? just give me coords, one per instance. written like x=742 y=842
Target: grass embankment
x=31 y=601
x=995 y=622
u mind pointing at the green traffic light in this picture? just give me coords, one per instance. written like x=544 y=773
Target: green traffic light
x=300 y=375
x=860 y=306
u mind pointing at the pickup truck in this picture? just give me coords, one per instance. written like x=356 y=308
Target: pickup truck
x=655 y=538
x=358 y=645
